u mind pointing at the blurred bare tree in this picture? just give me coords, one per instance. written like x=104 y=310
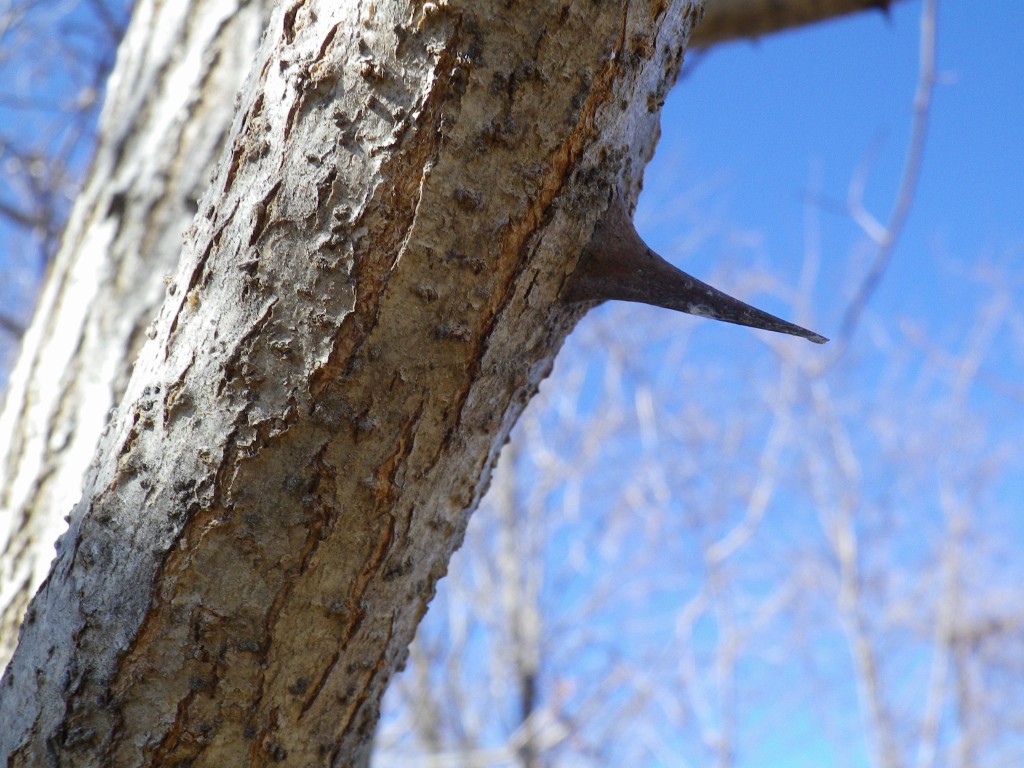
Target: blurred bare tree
x=54 y=60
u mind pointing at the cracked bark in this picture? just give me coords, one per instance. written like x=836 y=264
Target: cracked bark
x=156 y=147
x=365 y=303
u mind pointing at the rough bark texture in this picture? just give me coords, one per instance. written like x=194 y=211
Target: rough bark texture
x=360 y=316
x=157 y=146
x=169 y=106
x=367 y=300
x=727 y=20
x=166 y=117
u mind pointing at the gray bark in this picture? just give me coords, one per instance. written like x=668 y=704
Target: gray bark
x=162 y=128
x=513 y=175
x=365 y=303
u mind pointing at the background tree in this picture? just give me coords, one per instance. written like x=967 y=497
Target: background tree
x=164 y=123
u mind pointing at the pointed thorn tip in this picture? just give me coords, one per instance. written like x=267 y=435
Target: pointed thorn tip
x=618 y=265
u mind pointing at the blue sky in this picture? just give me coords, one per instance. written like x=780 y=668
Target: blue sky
x=747 y=137
x=762 y=124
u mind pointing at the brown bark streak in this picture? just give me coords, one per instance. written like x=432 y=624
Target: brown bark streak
x=358 y=319
x=727 y=20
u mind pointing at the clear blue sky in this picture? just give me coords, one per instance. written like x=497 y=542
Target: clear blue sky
x=758 y=124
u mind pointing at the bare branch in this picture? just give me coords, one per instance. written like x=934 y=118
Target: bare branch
x=726 y=20
x=887 y=236
x=11 y=326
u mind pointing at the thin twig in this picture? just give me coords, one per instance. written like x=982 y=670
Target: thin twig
x=887 y=237
x=11 y=326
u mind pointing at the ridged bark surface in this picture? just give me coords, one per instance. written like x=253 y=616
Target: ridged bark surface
x=169 y=106
x=363 y=307
x=164 y=123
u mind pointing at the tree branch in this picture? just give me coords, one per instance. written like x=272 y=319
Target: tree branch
x=886 y=236
x=11 y=326
x=727 y=20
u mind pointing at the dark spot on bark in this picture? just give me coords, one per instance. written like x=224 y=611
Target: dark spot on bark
x=289 y=22
x=117 y=205
x=277 y=753
x=452 y=332
x=467 y=199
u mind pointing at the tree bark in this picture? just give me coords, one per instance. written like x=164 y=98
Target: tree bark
x=365 y=303
x=157 y=146
x=169 y=106
x=420 y=357
x=727 y=20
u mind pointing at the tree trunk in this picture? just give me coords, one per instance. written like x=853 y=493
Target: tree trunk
x=363 y=308
x=364 y=305
x=163 y=126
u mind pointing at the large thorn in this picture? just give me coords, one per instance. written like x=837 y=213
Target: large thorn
x=618 y=265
